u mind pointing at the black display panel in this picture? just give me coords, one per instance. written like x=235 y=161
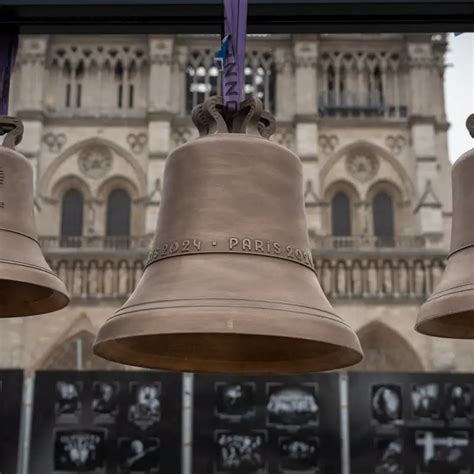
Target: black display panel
x=411 y=423
x=106 y=422
x=11 y=395
x=266 y=425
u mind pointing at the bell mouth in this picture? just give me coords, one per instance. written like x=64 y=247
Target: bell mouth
x=228 y=353
x=237 y=340
x=28 y=299
x=456 y=326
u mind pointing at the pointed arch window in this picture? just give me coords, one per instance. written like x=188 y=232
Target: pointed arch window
x=260 y=78
x=72 y=213
x=376 y=90
x=383 y=216
x=341 y=214
x=202 y=78
x=76 y=354
x=74 y=76
x=119 y=207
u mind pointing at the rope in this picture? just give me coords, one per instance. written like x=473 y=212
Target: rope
x=8 y=49
x=232 y=52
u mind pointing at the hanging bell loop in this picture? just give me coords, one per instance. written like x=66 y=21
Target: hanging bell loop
x=230 y=284
x=449 y=311
x=27 y=285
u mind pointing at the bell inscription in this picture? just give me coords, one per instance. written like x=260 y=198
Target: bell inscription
x=267 y=248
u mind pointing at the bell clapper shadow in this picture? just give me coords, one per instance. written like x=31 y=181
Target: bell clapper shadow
x=449 y=311
x=27 y=285
x=230 y=284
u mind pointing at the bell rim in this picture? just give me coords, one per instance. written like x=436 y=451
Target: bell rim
x=39 y=277
x=438 y=318
x=119 y=333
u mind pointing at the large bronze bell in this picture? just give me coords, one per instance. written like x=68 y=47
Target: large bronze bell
x=449 y=311
x=230 y=284
x=27 y=284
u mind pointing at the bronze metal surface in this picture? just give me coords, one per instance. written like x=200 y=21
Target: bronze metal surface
x=230 y=284
x=449 y=311
x=27 y=284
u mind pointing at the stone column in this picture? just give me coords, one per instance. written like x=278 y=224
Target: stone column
x=159 y=116
x=285 y=85
x=305 y=50
x=423 y=123
x=32 y=78
x=180 y=61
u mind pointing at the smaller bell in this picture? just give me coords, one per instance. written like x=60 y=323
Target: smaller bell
x=449 y=311
x=27 y=285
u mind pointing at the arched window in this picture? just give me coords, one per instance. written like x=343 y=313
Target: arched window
x=118 y=213
x=260 y=78
x=382 y=208
x=331 y=86
x=386 y=350
x=76 y=354
x=341 y=214
x=74 y=77
x=375 y=86
x=72 y=213
x=202 y=78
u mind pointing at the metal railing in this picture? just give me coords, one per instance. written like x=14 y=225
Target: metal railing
x=349 y=104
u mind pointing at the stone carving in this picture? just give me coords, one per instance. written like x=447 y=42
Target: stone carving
x=55 y=142
x=155 y=195
x=310 y=197
x=395 y=143
x=362 y=165
x=182 y=135
x=285 y=136
x=328 y=143
x=95 y=161
x=137 y=141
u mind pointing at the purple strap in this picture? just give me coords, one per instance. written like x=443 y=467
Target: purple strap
x=235 y=25
x=8 y=49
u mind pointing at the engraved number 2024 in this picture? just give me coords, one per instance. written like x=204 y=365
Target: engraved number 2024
x=183 y=246
x=298 y=254
x=189 y=245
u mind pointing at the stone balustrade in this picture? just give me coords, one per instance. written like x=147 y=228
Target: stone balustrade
x=110 y=267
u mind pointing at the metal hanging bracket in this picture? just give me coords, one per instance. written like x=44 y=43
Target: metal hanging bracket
x=12 y=128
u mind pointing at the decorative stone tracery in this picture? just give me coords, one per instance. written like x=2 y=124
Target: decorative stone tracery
x=95 y=161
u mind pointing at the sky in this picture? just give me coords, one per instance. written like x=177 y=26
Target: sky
x=459 y=86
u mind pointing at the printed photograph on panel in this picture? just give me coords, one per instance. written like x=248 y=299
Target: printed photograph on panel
x=105 y=401
x=242 y=453
x=442 y=452
x=458 y=402
x=292 y=406
x=139 y=455
x=79 y=451
x=299 y=455
x=67 y=405
x=235 y=401
x=426 y=400
x=145 y=409
x=386 y=404
x=389 y=455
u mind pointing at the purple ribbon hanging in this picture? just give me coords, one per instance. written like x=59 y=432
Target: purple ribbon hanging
x=235 y=25
x=8 y=49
